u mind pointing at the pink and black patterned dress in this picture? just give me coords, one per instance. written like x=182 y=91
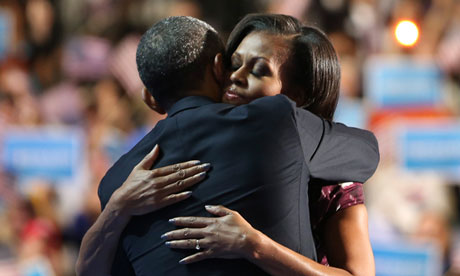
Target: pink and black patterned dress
x=326 y=200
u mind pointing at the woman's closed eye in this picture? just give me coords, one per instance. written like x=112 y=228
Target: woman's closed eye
x=261 y=70
x=259 y=66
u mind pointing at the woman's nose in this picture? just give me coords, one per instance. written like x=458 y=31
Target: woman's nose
x=238 y=77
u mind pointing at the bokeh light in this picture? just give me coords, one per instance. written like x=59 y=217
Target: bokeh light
x=406 y=33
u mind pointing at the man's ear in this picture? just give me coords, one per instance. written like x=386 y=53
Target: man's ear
x=150 y=101
x=218 y=68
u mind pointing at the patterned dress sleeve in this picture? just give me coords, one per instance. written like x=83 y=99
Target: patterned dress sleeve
x=327 y=199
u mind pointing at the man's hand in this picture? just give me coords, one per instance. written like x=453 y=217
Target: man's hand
x=147 y=190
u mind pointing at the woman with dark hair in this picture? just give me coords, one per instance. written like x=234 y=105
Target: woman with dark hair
x=268 y=55
x=309 y=61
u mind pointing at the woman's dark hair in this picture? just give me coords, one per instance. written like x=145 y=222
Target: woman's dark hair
x=312 y=70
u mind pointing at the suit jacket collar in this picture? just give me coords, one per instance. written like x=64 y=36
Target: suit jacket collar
x=188 y=103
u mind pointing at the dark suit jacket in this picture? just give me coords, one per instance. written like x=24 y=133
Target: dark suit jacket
x=262 y=154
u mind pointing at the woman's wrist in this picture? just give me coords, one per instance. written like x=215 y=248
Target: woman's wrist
x=254 y=245
x=117 y=207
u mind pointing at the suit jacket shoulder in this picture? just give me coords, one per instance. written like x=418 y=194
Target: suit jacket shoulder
x=342 y=154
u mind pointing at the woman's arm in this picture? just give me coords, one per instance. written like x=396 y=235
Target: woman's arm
x=230 y=236
x=144 y=191
x=346 y=241
x=100 y=242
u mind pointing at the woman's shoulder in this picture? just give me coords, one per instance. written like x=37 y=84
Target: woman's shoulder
x=326 y=200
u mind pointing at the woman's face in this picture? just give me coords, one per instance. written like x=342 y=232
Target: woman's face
x=255 y=68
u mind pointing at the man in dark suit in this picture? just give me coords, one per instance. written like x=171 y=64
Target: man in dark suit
x=262 y=154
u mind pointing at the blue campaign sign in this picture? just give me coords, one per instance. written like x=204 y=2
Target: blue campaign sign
x=391 y=82
x=433 y=148
x=53 y=154
x=5 y=28
x=405 y=259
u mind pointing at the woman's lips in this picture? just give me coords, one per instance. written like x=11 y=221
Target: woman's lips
x=233 y=97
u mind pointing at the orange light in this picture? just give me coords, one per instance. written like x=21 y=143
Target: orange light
x=406 y=33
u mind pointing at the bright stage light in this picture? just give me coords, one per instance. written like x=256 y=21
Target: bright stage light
x=406 y=33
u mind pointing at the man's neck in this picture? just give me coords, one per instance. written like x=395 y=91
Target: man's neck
x=193 y=93
x=203 y=92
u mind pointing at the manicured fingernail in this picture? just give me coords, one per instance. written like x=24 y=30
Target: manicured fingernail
x=183 y=261
x=168 y=244
x=201 y=175
x=188 y=193
x=171 y=220
x=206 y=166
x=209 y=206
x=196 y=162
x=163 y=236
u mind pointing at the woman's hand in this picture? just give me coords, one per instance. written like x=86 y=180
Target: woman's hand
x=144 y=191
x=147 y=190
x=227 y=236
x=230 y=236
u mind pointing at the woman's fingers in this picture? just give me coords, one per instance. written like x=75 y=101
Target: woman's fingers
x=224 y=236
x=174 y=198
x=171 y=169
x=197 y=244
x=173 y=193
x=202 y=255
x=196 y=222
x=183 y=235
x=183 y=184
x=182 y=244
x=149 y=159
x=181 y=174
x=218 y=210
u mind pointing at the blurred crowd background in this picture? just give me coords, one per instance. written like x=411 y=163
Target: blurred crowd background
x=70 y=105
